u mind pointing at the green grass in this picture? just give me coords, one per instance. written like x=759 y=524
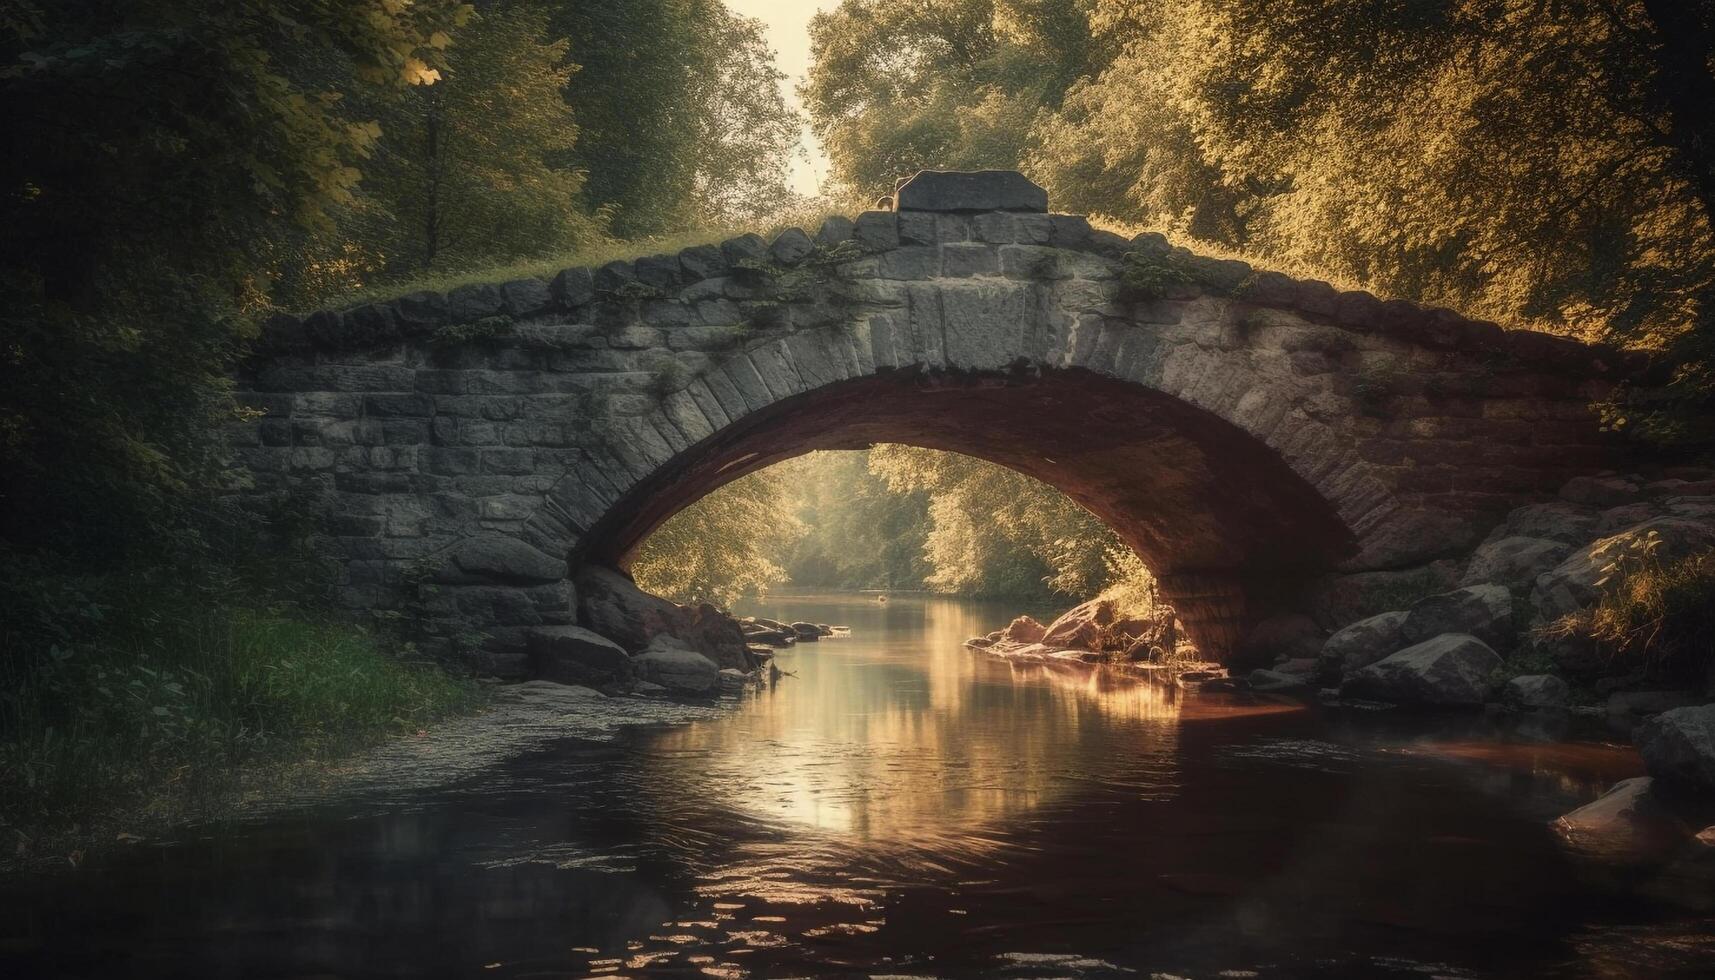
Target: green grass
x=167 y=700
x=597 y=254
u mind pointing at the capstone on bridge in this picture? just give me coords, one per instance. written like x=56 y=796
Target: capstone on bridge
x=1258 y=439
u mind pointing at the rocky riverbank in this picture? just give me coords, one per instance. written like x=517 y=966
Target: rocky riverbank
x=630 y=642
x=1515 y=627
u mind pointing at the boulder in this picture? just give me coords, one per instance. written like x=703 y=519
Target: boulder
x=574 y=655
x=1678 y=746
x=1619 y=518
x=1629 y=822
x=1558 y=520
x=1083 y=627
x=1514 y=561
x=1023 y=630
x=1483 y=611
x=666 y=662
x=1361 y=644
x=1537 y=691
x=1291 y=637
x=612 y=605
x=1451 y=669
x=1572 y=584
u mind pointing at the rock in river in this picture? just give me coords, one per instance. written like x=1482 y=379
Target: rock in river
x=574 y=655
x=668 y=663
x=1678 y=746
x=1361 y=644
x=1451 y=669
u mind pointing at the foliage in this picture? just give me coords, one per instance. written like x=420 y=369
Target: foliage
x=682 y=118
x=144 y=692
x=1656 y=615
x=719 y=548
x=159 y=153
x=1542 y=164
x=860 y=533
x=898 y=86
x=993 y=531
x=473 y=168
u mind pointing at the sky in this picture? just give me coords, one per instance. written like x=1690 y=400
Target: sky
x=789 y=35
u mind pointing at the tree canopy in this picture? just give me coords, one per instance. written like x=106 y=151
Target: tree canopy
x=1549 y=165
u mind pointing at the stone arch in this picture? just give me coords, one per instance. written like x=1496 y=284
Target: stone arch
x=477 y=441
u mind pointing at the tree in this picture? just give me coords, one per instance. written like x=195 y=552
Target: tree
x=472 y=169
x=722 y=546
x=994 y=531
x=159 y=154
x=898 y=86
x=860 y=533
x=683 y=119
x=1545 y=164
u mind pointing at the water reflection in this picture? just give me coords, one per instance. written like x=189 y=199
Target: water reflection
x=899 y=735
x=901 y=806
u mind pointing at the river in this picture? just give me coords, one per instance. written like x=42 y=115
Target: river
x=897 y=805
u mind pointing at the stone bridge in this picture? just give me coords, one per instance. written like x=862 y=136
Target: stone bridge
x=1251 y=435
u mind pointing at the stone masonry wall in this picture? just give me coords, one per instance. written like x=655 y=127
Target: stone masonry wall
x=466 y=446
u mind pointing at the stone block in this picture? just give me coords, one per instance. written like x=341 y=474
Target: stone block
x=791 y=247
x=966 y=260
x=877 y=230
x=985 y=190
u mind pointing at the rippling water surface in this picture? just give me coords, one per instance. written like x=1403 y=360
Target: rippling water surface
x=898 y=806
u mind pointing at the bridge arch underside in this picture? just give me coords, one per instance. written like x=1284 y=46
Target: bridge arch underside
x=1220 y=517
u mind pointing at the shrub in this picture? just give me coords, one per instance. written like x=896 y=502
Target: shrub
x=1657 y=616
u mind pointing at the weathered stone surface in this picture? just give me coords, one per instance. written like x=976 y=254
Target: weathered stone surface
x=1561 y=521
x=1362 y=643
x=612 y=605
x=1024 y=629
x=1629 y=823
x=1082 y=627
x=574 y=655
x=985 y=190
x=1514 y=562
x=998 y=332
x=1678 y=746
x=1537 y=691
x=1484 y=611
x=1451 y=669
x=666 y=661
x=791 y=247
x=499 y=558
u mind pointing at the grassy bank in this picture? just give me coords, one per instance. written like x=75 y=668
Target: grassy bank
x=157 y=707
